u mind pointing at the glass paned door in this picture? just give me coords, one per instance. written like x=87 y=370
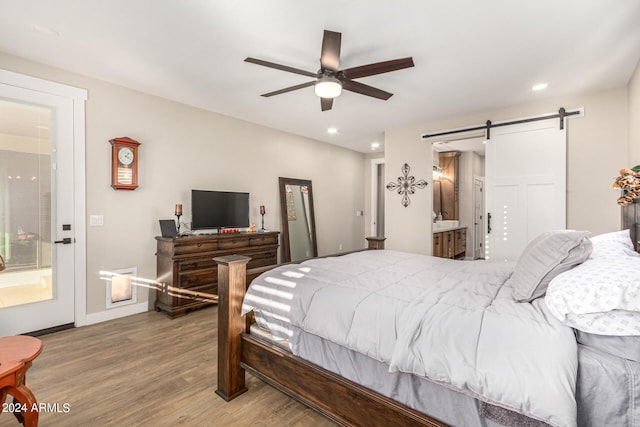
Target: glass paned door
x=25 y=203
x=36 y=210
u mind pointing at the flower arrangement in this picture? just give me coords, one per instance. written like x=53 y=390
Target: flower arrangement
x=629 y=183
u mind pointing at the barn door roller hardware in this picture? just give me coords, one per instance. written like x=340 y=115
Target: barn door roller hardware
x=562 y=113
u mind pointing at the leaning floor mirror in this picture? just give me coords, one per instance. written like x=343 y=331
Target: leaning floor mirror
x=298 y=221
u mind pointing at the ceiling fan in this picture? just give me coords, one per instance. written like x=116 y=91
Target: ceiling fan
x=330 y=81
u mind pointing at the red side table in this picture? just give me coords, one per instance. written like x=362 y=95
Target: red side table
x=16 y=355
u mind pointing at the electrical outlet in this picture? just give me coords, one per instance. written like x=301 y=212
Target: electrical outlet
x=340 y=247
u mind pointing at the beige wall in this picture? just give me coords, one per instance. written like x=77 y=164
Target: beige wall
x=597 y=148
x=184 y=148
x=408 y=228
x=634 y=118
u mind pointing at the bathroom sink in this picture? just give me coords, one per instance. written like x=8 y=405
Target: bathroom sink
x=445 y=224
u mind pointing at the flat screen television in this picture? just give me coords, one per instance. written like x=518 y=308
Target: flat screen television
x=219 y=209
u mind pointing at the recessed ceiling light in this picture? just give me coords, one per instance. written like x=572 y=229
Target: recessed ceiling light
x=539 y=86
x=375 y=145
x=332 y=130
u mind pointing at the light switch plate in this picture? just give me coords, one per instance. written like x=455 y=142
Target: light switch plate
x=96 y=220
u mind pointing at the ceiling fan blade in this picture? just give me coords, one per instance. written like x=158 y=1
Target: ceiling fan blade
x=280 y=67
x=363 y=89
x=326 y=103
x=378 y=68
x=330 y=55
x=288 y=89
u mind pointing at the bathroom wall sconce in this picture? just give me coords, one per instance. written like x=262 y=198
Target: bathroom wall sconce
x=437 y=173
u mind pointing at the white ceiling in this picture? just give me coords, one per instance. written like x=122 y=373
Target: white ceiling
x=469 y=55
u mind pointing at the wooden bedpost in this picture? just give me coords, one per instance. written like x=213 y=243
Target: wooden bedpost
x=232 y=285
x=375 y=242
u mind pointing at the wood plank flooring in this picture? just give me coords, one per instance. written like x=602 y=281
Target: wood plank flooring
x=149 y=370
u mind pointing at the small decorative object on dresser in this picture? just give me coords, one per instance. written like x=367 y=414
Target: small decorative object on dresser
x=178 y=215
x=262 y=212
x=188 y=263
x=124 y=163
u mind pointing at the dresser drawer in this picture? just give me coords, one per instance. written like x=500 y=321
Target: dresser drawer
x=232 y=243
x=261 y=240
x=194 y=247
x=263 y=258
x=196 y=264
x=192 y=279
x=190 y=299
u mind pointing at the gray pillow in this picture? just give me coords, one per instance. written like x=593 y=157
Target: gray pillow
x=545 y=257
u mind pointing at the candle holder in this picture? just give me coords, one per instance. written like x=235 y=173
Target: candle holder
x=178 y=216
x=262 y=212
x=178 y=213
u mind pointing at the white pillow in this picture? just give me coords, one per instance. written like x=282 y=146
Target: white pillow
x=613 y=245
x=600 y=296
x=544 y=258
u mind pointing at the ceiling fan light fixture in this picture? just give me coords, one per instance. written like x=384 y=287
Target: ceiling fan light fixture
x=328 y=87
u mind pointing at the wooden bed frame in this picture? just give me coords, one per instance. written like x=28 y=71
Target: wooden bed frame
x=337 y=398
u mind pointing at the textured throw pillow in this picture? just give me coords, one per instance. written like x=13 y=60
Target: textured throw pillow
x=613 y=245
x=545 y=257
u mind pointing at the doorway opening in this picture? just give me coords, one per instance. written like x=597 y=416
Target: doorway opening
x=458 y=189
x=377 y=197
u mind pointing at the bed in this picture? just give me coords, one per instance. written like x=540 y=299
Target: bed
x=389 y=338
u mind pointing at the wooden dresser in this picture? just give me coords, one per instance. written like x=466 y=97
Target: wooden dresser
x=187 y=263
x=450 y=243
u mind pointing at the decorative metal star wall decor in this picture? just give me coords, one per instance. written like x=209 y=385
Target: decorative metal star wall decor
x=406 y=185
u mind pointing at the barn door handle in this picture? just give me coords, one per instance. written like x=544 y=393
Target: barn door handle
x=488 y=223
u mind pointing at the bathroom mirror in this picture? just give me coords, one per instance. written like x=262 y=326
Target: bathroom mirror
x=298 y=220
x=446 y=185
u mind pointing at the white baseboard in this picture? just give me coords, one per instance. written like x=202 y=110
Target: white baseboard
x=116 y=313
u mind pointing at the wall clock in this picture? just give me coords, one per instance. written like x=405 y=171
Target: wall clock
x=124 y=163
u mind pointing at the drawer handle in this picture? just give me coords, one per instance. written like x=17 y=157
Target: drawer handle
x=199 y=245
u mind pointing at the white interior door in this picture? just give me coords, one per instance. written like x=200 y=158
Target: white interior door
x=36 y=210
x=525 y=185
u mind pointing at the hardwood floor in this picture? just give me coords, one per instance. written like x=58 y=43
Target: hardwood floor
x=149 y=370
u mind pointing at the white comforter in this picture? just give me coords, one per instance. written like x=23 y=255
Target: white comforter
x=453 y=322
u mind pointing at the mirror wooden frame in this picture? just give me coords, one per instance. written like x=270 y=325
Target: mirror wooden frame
x=286 y=242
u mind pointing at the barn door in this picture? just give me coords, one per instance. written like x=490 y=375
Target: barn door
x=525 y=186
